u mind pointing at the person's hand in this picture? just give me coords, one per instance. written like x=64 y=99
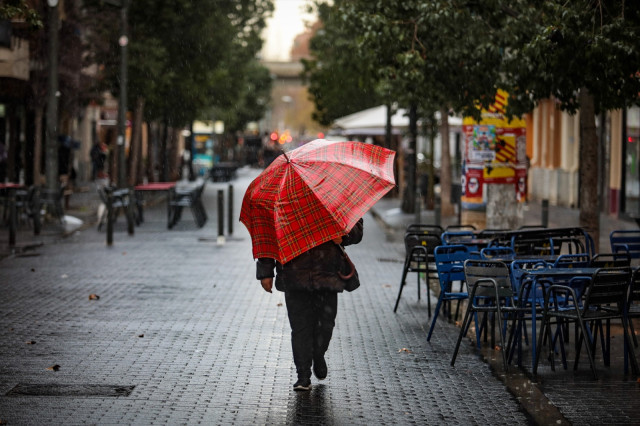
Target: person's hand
x=337 y=240
x=267 y=284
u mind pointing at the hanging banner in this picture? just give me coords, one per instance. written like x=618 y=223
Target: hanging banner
x=494 y=152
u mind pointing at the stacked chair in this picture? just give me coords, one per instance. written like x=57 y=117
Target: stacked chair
x=420 y=241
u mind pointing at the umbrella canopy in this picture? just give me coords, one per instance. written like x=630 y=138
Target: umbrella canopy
x=314 y=194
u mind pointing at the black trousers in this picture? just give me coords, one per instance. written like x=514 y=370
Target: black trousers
x=312 y=315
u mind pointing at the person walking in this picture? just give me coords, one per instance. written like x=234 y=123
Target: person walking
x=311 y=282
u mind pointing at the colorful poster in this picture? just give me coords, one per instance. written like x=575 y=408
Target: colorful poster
x=494 y=152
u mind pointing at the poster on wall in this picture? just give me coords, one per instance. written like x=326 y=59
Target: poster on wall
x=494 y=152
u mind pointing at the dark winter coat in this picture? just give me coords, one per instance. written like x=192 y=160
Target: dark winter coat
x=316 y=269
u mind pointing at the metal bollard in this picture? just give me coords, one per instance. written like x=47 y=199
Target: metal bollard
x=130 y=219
x=109 y=216
x=545 y=213
x=230 y=201
x=220 y=216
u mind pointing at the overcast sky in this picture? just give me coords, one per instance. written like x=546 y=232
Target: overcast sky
x=287 y=22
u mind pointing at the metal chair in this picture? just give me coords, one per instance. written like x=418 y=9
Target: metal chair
x=529 y=294
x=633 y=305
x=502 y=253
x=461 y=227
x=450 y=265
x=490 y=291
x=425 y=228
x=192 y=198
x=580 y=260
x=605 y=298
x=419 y=247
x=610 y=260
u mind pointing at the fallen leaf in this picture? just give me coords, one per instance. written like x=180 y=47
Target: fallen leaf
x=404 y=350
x=33 y=269
x=140 y=335
x=64 y=276
x=93 y=296
x=386 y=285
x=54 y=367
x=30 y=342
x=124 y=253
x=279 y=304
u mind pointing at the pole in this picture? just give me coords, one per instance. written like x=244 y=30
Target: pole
x=109 y=193
x=52 y=101
x=220 y=216
x=545 y=213
x=123 y=41
x=230 y=223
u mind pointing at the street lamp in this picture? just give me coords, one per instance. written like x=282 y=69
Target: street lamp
x=51 y=135
x=123 y=42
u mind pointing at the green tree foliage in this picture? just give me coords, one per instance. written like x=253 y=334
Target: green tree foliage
x=435 y=55
x=585 y=54
x=20 y=10
x=340 y=81
x=185 y=57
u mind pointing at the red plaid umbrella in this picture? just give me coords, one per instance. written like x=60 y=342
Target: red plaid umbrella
x=314 y=194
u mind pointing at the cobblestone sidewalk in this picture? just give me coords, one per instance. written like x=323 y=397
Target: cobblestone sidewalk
x=183 y=327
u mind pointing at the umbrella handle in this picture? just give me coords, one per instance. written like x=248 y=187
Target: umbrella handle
x=353 y=268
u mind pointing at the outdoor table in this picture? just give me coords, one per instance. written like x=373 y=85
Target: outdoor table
x=169 y=187
x=11 y=189
x=557 y=276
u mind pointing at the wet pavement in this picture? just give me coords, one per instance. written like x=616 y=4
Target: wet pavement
x=178 y=331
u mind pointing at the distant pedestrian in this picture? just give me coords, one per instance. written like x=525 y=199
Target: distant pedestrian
x=98 y=159
x=311 y=283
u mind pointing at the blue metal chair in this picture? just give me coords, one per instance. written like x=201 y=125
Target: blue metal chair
x=449 y=261
x=501 y=253
x=579 y=260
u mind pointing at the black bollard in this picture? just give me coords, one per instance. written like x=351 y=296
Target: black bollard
x=545 y=213
x=418 y=206
x=130 y=218
x=230 y=201
x=35 y=207
x=109 y=216
x=220 y=216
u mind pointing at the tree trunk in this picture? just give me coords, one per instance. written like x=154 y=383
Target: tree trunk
x=37 y=146
x=388 y=128
x=409 y=198
x=164 y=162
x=589 y=214
x=136 y=142
x=445 y=166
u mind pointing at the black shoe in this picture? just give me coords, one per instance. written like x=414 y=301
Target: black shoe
x=302 y=385
x=320 y=368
